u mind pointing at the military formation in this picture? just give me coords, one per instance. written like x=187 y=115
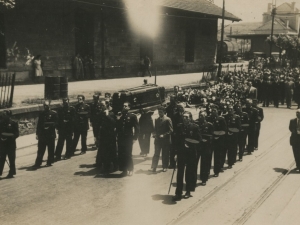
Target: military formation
x=226 y=128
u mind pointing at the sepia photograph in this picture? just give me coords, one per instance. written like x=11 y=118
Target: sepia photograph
x=149 y=112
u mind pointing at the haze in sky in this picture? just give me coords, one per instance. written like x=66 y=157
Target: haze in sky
x=250 y=10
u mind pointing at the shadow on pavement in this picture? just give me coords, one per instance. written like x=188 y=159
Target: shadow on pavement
x=280 y=170
x=294 y=171
x=166 y=199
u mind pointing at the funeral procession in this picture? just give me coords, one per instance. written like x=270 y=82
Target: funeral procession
x=117 y=112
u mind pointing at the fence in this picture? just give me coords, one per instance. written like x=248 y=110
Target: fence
x=7 y=85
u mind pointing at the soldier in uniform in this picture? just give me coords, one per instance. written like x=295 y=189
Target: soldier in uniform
x=242 y=136
x=276 y=92
x=205 y=149
x=260 y=118
x=253 y=118
x=94 y=120
x=219 y=127
x=282 y=92
x=9 y=132
x=189 y=136
x=127 y=133
x=82 y=114
x=234 y=125
x=45 y=134
x=65 y=129
x=107 y=139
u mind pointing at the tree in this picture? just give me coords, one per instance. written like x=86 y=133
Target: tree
x=7 y=4
x=288 y=43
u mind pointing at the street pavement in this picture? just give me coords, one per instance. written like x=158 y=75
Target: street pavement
x=256 y=191
x=88 y=88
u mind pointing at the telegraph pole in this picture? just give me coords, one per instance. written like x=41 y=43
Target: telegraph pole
x=222 y=39
x=272 y=29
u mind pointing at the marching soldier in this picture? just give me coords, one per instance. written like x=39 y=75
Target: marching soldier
x=9 y=131
x=127 y=133
x=65 y=129
x=189 y=136
x=94 y=120
x=253 y=118
x=260 y=118
x=82 y=113
x=242 y=136
x=205 y=149
x=219 y=127
x=45 y=134
x=234 y=125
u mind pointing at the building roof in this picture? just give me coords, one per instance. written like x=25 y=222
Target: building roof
x=198 y=6
x=265 y=30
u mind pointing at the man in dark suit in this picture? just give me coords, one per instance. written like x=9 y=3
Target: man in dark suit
x=295 y=138
x=9 y=132
x=162 y=134
x=45 y=134
x=127 y=128
x=81 y=124
x=289 y=91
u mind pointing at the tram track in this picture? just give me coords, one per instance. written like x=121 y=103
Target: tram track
x=183 y=215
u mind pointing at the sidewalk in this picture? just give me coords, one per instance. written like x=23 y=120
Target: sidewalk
x=88 y=88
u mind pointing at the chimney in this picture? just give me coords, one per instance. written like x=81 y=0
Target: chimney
x=293 y=6
x=269 y=8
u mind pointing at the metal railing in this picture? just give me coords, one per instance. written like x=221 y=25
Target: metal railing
x=7 y=85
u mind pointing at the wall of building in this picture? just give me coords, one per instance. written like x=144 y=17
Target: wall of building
x=48 y=28
x=259 y=44
x=39 y=28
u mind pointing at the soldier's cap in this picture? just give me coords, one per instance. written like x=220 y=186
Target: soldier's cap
x=249 y=101
x=96 y=96
x=181 y=105
x=81 y=96
x=7 y=112
x=161 y=108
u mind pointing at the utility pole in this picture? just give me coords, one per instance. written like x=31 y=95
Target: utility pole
x=272 y=29
x=222 y=39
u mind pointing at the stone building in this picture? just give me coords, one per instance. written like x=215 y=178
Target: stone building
x=184 y=41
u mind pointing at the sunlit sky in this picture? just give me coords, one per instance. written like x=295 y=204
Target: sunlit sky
x=250 y=10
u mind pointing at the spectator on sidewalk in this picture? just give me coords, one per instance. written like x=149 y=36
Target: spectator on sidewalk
x=38 y=72
x=146 y=65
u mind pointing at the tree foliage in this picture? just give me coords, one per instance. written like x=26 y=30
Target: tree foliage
x=7 y=3
x=285 y=42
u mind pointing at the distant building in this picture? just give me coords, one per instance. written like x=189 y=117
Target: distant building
x=59 y=29
x=287 y=21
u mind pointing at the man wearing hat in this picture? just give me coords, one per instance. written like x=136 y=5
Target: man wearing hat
x=9 y=132
x=45 y=134
x=253 y=118
x=65 y=129
x=205 y=149
x=242 y=136
x=95 y=118
x=127 y=128
x=219 y=127
x=234 y=125
x=289 y=91
x=82 y=114
x=189 y=136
